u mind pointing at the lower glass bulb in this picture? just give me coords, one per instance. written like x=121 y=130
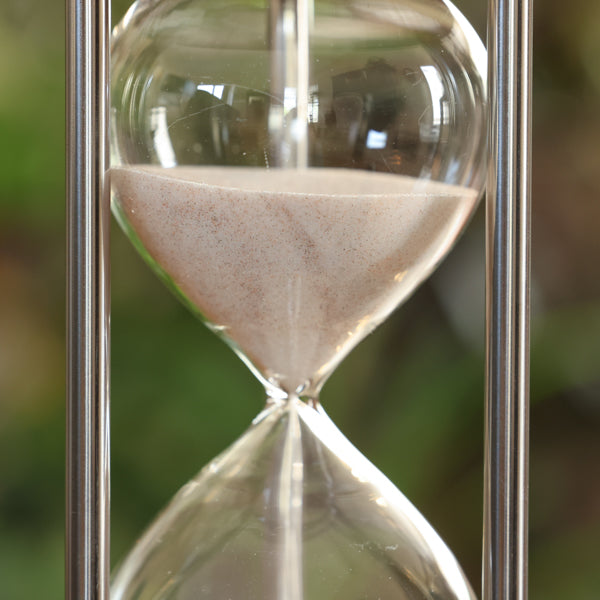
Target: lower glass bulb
x=291 y=511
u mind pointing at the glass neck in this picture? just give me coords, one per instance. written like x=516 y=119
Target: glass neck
x=278 y=397
x=308 y=394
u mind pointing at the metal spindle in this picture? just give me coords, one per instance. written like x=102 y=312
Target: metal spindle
x=508 y=265
x=87 y=486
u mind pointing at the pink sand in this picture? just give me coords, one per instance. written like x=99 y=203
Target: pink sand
x=295 y=266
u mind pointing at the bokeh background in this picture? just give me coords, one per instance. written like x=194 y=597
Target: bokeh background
x=410 y=397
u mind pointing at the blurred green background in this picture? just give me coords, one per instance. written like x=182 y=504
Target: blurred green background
x=410 y=397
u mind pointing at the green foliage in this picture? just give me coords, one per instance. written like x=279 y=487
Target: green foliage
x=410 y=397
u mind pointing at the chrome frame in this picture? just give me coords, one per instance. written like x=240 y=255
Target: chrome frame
x=88 y=302
x=507 y=319
x=506 y=478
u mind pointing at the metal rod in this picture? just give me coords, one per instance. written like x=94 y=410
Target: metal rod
x=508 y=257
x=290 y=24
x=87 y=445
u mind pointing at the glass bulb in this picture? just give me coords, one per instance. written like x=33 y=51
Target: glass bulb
x=291 y=511
x=293 y=170
x=389 y=87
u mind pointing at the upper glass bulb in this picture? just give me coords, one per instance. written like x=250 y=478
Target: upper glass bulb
x=338 y=146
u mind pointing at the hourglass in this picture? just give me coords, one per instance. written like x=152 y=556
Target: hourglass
x=293 y=171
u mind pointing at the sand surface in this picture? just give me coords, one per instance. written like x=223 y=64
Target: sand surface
x=295 y=266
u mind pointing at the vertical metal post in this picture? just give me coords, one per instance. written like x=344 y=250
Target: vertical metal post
x=87 y=446
x=290 y=24
x=508 y=251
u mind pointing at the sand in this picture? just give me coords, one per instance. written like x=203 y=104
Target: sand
x=295 y=267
